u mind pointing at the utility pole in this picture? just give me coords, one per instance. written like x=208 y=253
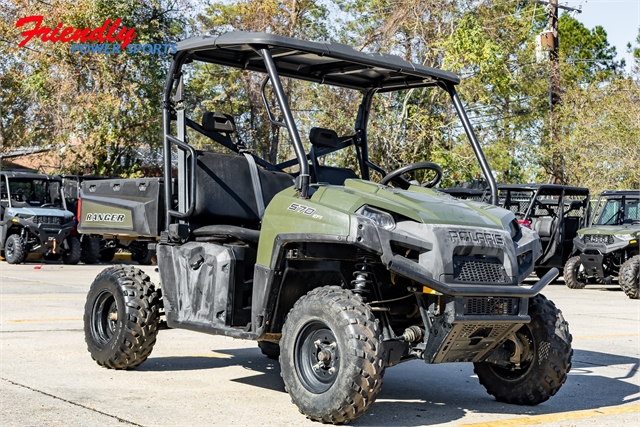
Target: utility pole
x=557 y=172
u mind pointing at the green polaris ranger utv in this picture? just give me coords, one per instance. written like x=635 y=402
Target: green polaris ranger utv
x=338 y=276
x=609 y=246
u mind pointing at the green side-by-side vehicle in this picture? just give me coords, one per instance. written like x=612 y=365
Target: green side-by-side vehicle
x=35 y=219
x=609 y=246
x=338 y=276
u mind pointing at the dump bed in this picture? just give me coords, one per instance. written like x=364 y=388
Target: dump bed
x=122 y=207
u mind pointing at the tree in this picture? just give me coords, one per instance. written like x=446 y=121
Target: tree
x=100 y=107
x=600 y=136
x=237 y=92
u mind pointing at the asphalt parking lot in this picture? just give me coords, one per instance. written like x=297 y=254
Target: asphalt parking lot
x=47 y=377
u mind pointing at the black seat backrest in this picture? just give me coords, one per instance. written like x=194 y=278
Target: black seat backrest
x=320 y=137
x=571 y=227
x=544 y=226
x=224 y=191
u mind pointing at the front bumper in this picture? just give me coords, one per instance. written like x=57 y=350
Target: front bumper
x=599 y=248
x=46 y=236
x=366 y=235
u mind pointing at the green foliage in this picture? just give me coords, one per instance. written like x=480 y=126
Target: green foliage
x=601 y=135
x=104 y=107
x=101 y=107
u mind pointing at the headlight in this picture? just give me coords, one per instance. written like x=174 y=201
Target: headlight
x=381 y=218
x=624 y=236
x=24 y=216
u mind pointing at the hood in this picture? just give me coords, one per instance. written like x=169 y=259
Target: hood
x=417 y=203
x=39 y=211
x=608 y=230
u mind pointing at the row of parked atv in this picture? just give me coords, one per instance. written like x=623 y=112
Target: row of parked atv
x=590 y=242
x=38 y=215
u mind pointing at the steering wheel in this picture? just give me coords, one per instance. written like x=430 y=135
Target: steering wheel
x=46 y=204
x=396 y=175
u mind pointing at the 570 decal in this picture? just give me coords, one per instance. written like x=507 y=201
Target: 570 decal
x=306 y=210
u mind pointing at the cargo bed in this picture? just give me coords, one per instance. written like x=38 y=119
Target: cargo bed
x=127 y=208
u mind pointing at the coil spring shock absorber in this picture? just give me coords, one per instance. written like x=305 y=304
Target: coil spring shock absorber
x=364 y=274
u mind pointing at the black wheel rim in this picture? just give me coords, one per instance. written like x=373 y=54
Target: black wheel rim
x=10 y=249
x=580 y=276
x=317 y=357
x=104 y=318
x=526 y=360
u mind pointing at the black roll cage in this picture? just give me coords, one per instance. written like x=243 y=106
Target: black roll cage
x=547 y=189
x=6 y=177
x=173 y=109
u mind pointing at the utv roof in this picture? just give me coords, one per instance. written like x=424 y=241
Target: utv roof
x=627 y=193
x=568 y=189
x=30 y=175
x=321 y=62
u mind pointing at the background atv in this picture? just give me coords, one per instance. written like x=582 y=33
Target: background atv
x=609 y=246
x=34 y=218
x=343 y=276
x=537 y=206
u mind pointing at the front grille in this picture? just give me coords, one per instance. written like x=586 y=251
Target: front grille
x=480 y=272
x=491 y=306
x=49 y=220
x=598 y=238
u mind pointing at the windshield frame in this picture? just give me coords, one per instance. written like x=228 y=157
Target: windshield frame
x=603 y=201
x=47 y=198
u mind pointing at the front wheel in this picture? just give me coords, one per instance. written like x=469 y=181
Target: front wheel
x=574 y=277
x=15 y=250
x=121 y=317
x=630 y=277
x=545 y=359
x=72 y=250
x=331 y=357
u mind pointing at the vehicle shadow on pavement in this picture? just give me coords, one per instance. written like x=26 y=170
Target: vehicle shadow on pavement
x=434 y=396
x=249 y=358
x=415 y=395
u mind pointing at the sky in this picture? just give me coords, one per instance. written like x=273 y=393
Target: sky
x=619 y=18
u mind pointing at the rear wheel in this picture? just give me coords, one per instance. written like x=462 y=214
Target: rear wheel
x=15 y=250
x=331 y=356
x=270 y=349
x=142 y=254
x=121 y=317
x=630 y=277
x=545 y=359
x=72 y=250
x=574 y=277
x=90 y=250
x=107 y=254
